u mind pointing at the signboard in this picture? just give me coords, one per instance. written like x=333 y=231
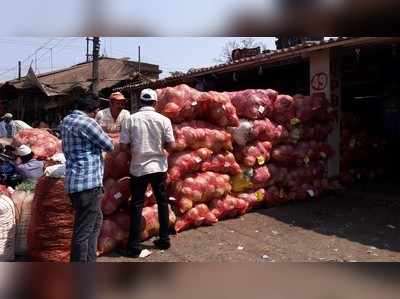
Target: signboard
x=246 y=52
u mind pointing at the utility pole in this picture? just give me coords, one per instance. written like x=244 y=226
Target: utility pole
x=87 y=49
x=19 y=70
x=139 y=59
x=95 y=69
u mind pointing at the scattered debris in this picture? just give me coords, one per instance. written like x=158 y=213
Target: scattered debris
x=257 y=231
x=336 y=250
x=391 y=226
x=145 y=253
x=265 y=257
x=240 y=248
x=275 y=233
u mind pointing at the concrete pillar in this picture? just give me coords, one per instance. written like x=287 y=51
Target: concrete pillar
x=325 y=77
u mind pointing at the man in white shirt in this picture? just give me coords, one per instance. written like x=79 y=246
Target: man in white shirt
x=110 y=119
x=147 y=133
x=14 y=126
x=3 y=130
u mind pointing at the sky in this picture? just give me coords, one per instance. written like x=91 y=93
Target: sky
x=170 y=53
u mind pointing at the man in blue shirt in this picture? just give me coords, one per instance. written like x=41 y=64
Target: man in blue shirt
x=83 y=142
x=29 y=168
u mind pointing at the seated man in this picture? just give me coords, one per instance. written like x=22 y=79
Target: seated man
x=13 y=126
x=29 y=168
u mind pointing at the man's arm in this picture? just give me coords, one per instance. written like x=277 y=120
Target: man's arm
x=125 y=136
x=169 y=136
x=98 y=136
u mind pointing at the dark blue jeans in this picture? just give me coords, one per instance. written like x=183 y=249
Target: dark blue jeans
x=87 y=226
x=138 y=187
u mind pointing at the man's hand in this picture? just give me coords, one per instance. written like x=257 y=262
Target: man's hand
x=169 y=146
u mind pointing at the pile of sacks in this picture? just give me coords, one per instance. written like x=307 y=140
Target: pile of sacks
x=234 y=152
x=238 y=151
x=43 y=144
x=201 y=162
x=283 y=150
x=356 y=149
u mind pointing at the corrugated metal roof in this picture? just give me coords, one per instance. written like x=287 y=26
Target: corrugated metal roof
x=111 y=72
x=262 y=58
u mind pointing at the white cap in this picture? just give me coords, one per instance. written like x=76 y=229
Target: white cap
x=8 y=115
x=23 y=150
x=148 y=95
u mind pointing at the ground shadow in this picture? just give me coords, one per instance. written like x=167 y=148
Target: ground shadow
x=367 y=214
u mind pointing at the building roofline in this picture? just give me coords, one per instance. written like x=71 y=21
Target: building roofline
x=78 y=65
x=277 y=55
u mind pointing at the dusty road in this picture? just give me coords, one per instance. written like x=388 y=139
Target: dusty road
x=352 y=227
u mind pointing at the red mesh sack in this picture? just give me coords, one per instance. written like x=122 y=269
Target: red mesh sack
x=222 y=163
x=284 y=153
x=183 y=103
x=304 y=108
x=276 y=196
x=110 y=236
x=228 y=207
x=278 y=174
x=302 y=192
x=257 y=153
x=187 y=162
x=200 y=215
x=261 y=176
x=217 y=109
x=116 y=164
x=253 y=103
x=200 y=188
x=199 y=134
x=254 y=199
x=115 y=194
x=52 y=221
x=179 y=103
x=265 y=130
x=43 y=144
x=284 y=109
x=150 y=226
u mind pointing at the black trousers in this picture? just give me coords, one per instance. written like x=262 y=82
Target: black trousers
x=87 y=225
x=138 y=187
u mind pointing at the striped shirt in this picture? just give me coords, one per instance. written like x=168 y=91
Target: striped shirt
x=83 y=141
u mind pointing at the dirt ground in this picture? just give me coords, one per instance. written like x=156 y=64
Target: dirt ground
x=360 y=226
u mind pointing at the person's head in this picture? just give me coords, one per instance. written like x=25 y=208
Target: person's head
x=7 y=117
x=148 y=97
x=88 y=105
x=24 y=153
x=117 y=102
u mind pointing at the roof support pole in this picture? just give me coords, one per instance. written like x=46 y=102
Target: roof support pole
x=325 y=77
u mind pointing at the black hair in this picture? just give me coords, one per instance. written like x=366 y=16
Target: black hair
x=147 y=103
x=26 y=158
x=87 y=104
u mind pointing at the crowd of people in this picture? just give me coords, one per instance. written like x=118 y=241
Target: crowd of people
x=85 y=139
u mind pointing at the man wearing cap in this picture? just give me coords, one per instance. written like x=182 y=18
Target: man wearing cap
x=147 y=133
x=83 y=141
x=29 y=168
x=110 y=119
x=13 y=126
